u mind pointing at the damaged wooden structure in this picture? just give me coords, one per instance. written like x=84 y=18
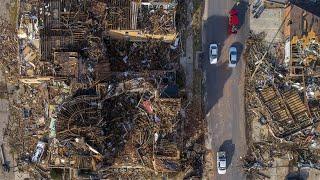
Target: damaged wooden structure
x=282 y=104
x=98 y=105
x=289 y=97
x=305 y=54
x=289 y=113
x=140 y=20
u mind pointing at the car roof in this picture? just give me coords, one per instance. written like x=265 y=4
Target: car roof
x=233 y=58
x=214 y=50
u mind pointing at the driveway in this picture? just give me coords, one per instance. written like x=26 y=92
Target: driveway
x=224 y=86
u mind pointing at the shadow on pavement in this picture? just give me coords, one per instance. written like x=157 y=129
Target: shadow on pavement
x=216 y=74
x=229 y=148
x=214 y=34
x=239 y=47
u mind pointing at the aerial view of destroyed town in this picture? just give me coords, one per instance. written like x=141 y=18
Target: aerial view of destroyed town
x=160 y=89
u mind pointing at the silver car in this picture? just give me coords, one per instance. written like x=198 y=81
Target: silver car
x=213 y=53
x=232 y=57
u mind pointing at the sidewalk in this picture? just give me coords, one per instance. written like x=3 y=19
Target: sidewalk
x=187 y=60
x=4 y=118
x=7 y=12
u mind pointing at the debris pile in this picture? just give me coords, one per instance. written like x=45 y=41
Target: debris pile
x=305 y=56
x=140 y=56
x=282 y=103
x=156 y=18
x=153 y=17
x=92 y=104
x=9 y=48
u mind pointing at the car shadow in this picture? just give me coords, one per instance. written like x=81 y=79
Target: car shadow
x=240 y=48
x=229 y=148
x=216 y=78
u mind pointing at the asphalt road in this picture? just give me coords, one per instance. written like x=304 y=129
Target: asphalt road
x=224 y=86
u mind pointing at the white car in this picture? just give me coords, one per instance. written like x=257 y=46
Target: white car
x=213 y=53
x=232 y=57
x=221 y=162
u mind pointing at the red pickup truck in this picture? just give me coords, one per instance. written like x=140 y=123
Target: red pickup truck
x=233 y=21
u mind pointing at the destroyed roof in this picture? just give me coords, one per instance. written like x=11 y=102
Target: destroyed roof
x=152 y=17
x=107 y=105
x=312 y=6
x=302 y=19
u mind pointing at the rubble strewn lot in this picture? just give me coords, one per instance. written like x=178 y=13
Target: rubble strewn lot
x=283 y=107
x=96 y=91
x=282 y=94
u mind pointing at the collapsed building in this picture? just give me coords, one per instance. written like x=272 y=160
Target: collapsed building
x=283 y=105
x=304 y=56
x=97 y=89
x=140 y=20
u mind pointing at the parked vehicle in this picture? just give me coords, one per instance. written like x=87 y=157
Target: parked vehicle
x=233 y=21
x=221 y=162
x=213 y=53
x=232 y=57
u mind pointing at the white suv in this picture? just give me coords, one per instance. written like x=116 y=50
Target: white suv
x=221 y=162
